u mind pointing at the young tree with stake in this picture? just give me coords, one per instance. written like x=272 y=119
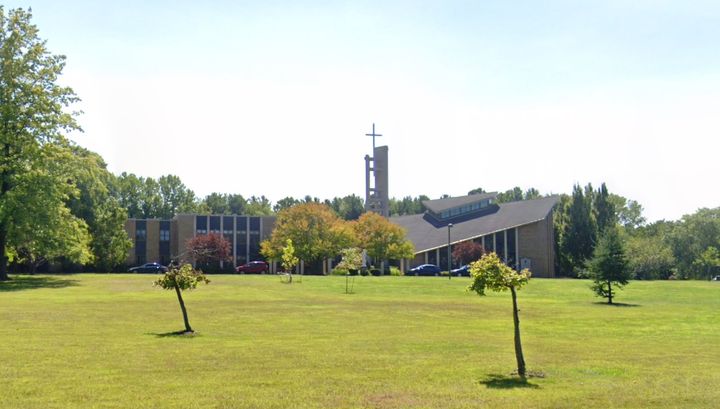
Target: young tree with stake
x=491 y=273
x=180 y=279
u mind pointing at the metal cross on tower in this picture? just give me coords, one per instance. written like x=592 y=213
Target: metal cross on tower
x=373 y=134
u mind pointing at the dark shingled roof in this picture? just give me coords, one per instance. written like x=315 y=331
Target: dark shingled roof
x=439 y=205
x=427 y=234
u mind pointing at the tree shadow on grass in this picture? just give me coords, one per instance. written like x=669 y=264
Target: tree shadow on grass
x=174 y=334
x=496 y=381
x=617 y=304
x=20 y=283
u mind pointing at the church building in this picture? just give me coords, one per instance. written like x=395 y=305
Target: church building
x=521 y=233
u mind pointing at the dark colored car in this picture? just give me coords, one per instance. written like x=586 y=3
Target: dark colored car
x=149 y=268
x=253 y=267
x=425 y=270
x=463 y=271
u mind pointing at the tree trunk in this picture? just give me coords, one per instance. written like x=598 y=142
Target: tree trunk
x=609 y=292
x=518 y=345
x=3 y=259
x=182 y=307
x=4 y=188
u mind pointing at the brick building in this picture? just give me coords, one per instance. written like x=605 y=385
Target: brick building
x=156 y=240
x=521 y=233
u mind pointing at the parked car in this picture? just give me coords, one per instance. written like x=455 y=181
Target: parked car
x=425 y=270
x=463 y=271
x=149 y=268
x=256 y=267
x=716 y=278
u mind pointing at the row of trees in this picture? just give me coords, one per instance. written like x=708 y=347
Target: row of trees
x=147 y=198
x=317 y=233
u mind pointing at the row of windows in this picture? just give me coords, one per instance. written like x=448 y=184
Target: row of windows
x=501 y=243
x=228 y=224
x=141 y=235
x=468 y=208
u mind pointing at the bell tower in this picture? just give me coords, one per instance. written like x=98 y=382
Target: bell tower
x=377 y=198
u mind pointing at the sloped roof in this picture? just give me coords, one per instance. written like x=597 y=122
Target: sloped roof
x=427 y=234
x=440 y=205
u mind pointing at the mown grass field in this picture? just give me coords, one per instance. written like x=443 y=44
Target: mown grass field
x=102 y=341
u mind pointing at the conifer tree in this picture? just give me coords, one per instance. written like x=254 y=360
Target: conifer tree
x=609 y=265
x=580 y=231
x=604 y=210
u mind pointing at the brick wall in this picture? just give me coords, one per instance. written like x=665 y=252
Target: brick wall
x=130 y=230
x=536 y=242
x=152 y=252
x=185 y=230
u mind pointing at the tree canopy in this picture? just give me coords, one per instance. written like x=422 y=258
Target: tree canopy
x=382 y=239
x=32 y=116
x=315 y=230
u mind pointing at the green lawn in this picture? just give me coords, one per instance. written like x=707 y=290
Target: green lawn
x=103 y=341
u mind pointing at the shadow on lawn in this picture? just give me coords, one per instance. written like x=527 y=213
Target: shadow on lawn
x=19 y=283
x=617 y=304
x=174 y=334
x=496 y=381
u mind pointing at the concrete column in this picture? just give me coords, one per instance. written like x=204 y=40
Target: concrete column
x=505 y=249
x=234 y=249
x=517 y=250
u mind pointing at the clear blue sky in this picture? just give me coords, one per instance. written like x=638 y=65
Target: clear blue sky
x=274 y=97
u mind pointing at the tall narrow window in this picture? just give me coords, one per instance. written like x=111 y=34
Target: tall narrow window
x=500 y=245
x=511 y=249
x=215 y=224
x=201 y=225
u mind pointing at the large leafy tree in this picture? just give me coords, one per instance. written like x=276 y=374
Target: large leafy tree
x=175 y=197
x=315 y=230
x=147 y=198
x=691 y=237
x=649 y=257
x=609 y=265
x=95 y=205
x=236 y=204
x=285 y=203
x=492 y=274
x=516 y=194
x=381 y=239
x=32 y=114
x=348 y=207
x=629 y=212
x=127 y=189
x=258 y=206
x=139 y=195
x=43 y=228
x=407 y=205
x=217 y=203
x=708 y=261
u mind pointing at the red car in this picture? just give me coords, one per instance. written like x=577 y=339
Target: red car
x=253 y=267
